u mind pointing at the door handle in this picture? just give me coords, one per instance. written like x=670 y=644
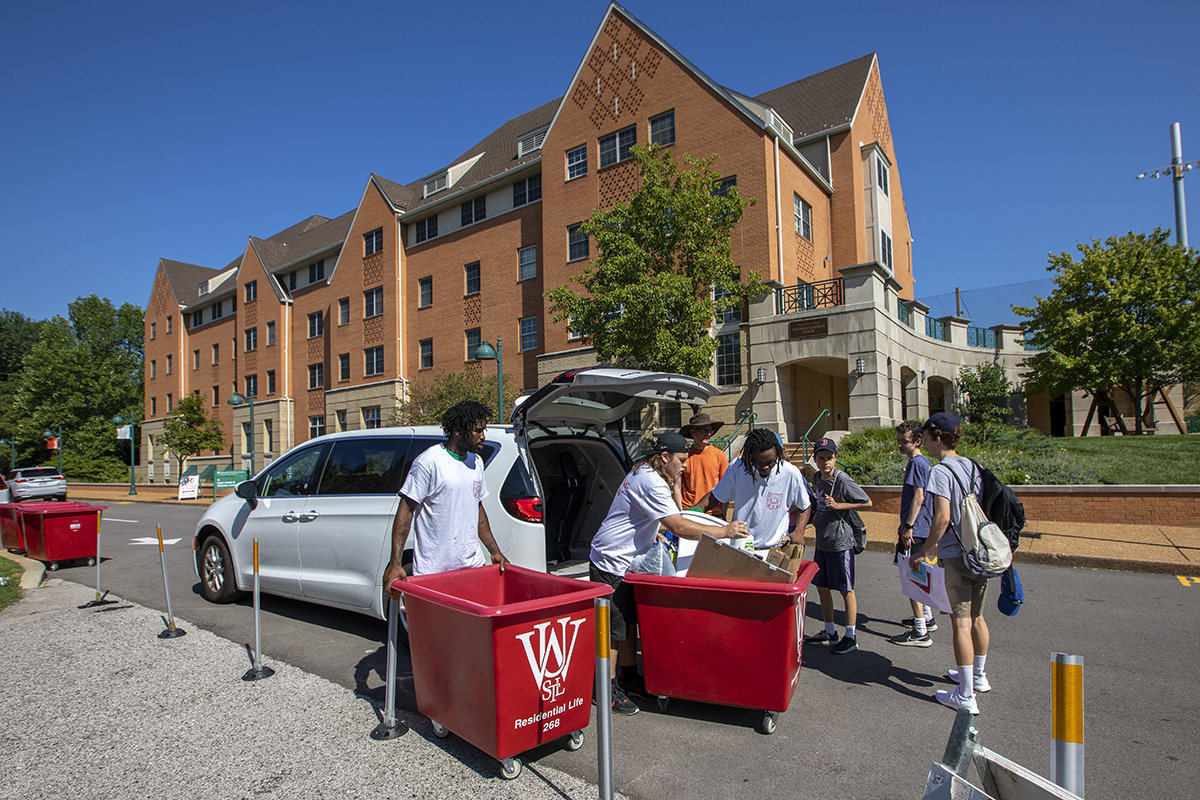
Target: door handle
x=290 y=516
x=308 y=516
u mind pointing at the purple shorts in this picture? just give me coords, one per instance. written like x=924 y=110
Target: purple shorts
x=835 y=570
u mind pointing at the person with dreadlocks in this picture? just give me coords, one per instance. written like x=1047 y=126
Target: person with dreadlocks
x=644 y=501
x=764 y=488
x=442 y=501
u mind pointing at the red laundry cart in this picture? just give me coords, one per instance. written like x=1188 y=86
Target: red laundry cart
x=62 y=531
x=505 y=661
x=734 y=643
x=12 y=537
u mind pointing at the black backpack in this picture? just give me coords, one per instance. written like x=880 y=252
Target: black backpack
x=1002 y=506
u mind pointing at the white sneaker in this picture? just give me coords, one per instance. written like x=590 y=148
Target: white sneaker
x=953 y=699
x=981 y=682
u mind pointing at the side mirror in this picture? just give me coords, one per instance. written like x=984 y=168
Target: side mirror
x=248 y=491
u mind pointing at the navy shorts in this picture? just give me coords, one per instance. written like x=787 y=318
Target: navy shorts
x=623 y=613
x=835 y=570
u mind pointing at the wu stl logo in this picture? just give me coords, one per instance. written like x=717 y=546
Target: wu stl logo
x=555 y=645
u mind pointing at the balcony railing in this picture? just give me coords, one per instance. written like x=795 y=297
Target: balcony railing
x=807 y=296
x=904 y=313
x=981 y=337
x=937 y=329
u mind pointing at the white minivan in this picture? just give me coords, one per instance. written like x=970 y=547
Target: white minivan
x=322 y=513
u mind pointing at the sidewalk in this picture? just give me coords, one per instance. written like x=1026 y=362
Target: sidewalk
x=97 y=707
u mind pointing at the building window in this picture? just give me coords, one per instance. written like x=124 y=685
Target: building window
x=733 y=314
x=340 y=416
x=168 y=324
x=268 y=435
x=803 y=213
x=251 y=385
x=529 y=334
x=373 y=242
x=474 y=211
x=662 y=129
x=577 y=243
x=316 y=376
x=291 y=282
x=153 y=328
x=344 y=311
x=474 y=341
x=195 y=359
x=722 y=187
x=426 y=292
x=472 y=277
x=426 y=353
x=251 y=291
x=154 y=406
x=373 y=361
x=216 y=313
x=372 y=302
x=169 y=404
x=169 y=365
x=577 y=162
x=270 y=381
x=881 y=172
x=372 y=418
x=216 y=348
x=197 y=319
x=344 y=367
x=885 y=249
x=670 y=415
x=316 y=426
x=615 y=146
x=729 y=359
x=527 y=190
x=316 y=272
x=251 y=339
x=316 y=324
x=426 y=228
x=270 y=333
x=153 y=369
x=527 y=263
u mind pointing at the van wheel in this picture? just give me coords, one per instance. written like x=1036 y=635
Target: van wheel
x=217 y=581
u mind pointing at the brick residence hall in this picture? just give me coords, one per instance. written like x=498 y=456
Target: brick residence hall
x=330 y=321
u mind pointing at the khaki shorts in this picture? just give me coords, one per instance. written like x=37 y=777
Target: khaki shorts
x=965 y=591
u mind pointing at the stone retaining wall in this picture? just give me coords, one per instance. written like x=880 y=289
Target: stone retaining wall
x=1120 y=505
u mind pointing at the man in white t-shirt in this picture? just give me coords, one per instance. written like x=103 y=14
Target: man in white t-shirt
x=764 y=489
x=441 y=501
x=644 y=501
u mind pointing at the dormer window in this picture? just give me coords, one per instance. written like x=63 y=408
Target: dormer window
x=881 y=171
x=202 y=289
x=531 y=141
x=436 y=184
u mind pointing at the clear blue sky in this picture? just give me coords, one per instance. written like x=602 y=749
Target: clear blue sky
x=138 y=130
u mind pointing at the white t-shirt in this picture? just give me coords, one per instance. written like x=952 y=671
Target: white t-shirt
x=763 y=504
x=445 y=528
x=633 y=519
x=943 y=484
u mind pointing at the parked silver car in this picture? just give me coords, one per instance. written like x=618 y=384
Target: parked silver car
x=322 y=513
x=37 y=483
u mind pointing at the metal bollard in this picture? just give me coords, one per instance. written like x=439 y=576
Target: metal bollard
x=1066 y=722
x=101 y=599
x=391 y=728
x=258 y=671
x=604 y=740
x=171 y=632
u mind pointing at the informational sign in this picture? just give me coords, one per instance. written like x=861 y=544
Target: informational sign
x=227 y=479
x=808 y=328
x=123 y=432
x=926 y=585
x=189 y=487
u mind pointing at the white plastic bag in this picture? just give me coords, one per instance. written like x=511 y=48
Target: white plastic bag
x=655 y=561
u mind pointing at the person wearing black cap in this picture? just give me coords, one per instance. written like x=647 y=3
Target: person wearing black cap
x=644 y=501
x=948 y=480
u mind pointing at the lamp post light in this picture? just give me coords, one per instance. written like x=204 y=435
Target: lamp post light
x=48 y=435
x=120 y=420
x=12 y=452
x=1176 y=170
x=237 y=399
x=486 y=353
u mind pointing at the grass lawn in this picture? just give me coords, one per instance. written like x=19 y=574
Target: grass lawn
x=1138 y=459
x=10 y=588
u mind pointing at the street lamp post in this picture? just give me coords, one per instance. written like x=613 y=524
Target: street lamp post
x=48 y=435
x=237 y=399
x=120 y=420
x=12 y=452
x=1176 y=170
x=486 y=353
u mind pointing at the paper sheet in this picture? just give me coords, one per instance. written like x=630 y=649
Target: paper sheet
x=926 y=585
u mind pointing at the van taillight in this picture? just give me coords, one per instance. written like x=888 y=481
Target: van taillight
x=527 y=509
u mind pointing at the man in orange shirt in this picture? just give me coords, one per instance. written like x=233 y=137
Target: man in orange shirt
x=706 y=464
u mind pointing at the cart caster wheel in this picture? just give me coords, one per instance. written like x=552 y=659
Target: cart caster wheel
x=769 y=721
x=663 y=703
x=439 y=730
x=91 y=562
x=52 y=566
x=510 y=768
x=575 y=741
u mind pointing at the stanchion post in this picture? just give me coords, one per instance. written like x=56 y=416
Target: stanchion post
x=1066 y=722
x=258 y=671
x=604 y=740
x=172 y=632
x=100 y=598
x=391 y=728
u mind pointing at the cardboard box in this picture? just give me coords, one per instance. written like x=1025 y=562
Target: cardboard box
x=720 y=561
x=789 y=557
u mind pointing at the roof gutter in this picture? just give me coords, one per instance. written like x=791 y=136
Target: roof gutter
x=333 y=246
x=827 y=132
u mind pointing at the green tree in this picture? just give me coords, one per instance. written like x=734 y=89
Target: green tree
x=983 y=395
x=189 y=430
x=647 y=297
x=1124 y=315
x=18 y=335
x=428 y=400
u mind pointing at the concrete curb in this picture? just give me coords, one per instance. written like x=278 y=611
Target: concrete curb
x=35 y=571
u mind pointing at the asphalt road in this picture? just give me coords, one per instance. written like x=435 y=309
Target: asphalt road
x=863 y=725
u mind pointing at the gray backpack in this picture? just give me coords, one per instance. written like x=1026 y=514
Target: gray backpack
x=986 y=549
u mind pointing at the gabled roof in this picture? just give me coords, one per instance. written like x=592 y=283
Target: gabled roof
x=302 y=240
x=184 y=279
x=288 y=235
x=823 y=101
